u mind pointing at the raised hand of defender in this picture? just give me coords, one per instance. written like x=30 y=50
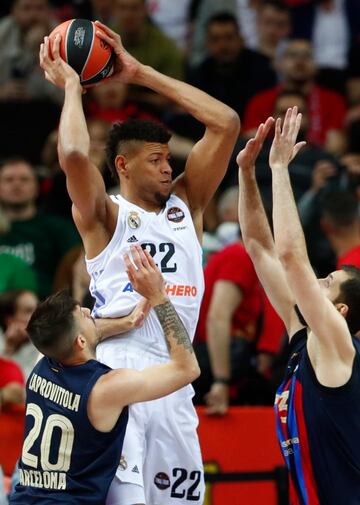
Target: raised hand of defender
x=247 y=157
x=57 y=71
x=284 y=147
x=145 y=276
x=126 y=66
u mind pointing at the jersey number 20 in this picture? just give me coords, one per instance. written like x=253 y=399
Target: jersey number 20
x=62 y=463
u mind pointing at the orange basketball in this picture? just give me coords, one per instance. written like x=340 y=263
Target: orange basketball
x=84 y=51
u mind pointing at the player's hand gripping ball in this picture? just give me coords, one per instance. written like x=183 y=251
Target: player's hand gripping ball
x=84 y=51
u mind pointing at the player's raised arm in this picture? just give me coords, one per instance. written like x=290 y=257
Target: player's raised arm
x=208 y=161
x=256 y=233
x=84 y=181
x=125 y=386
x=325 y=319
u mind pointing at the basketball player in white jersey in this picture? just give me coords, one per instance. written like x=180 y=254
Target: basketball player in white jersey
x=161 y=463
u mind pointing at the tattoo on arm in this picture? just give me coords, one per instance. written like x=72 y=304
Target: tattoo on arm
x=174 y=330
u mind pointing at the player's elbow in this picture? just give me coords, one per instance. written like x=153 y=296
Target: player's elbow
x=71 y=156
x=230 y=122
x=289 y=256
x=190 y=372
x=194 y=371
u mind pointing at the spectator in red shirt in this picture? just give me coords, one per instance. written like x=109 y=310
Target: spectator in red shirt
x=326 y=108
x=230 y=325
x=341 y=224
x=12 y=387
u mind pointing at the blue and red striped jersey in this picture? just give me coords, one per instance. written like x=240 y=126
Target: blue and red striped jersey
x=319 y=431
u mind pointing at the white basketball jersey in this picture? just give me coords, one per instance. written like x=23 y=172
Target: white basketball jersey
x=171 y=239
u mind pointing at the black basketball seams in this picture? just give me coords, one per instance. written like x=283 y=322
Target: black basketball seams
x=80 y=39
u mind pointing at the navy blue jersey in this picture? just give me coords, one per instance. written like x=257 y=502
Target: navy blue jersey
x=65 y=460
x=319 y=431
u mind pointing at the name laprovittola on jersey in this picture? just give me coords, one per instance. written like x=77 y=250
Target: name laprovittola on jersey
x=170 y=238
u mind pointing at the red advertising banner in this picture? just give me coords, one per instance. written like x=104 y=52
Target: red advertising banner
x=242 y=441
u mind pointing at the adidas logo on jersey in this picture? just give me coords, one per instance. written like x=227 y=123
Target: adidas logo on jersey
x=135 y=469
x=132 y=239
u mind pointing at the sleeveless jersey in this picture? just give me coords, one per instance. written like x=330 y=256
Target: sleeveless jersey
x=64 y=458
x=319 y=431
x=170 y=238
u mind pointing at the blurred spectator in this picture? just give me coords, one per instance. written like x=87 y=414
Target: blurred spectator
x=109 y=102
x=341 y=224
x=20 y=36
x=326 y=108
x=245 y=11
x=231 y=73
x=26 y=98
x=273 y=26
x=173 y=18
x=3 y=497
x=327 y=178
x=221 y=222
x=16 y=308
x=12 y=386
x=229 y=327
x=47 y=243
x=102 y=10
x=331 y=25
x=14 y=272
x=56 y=199
x=149 y=45
x=300 y=169
x=228 y=324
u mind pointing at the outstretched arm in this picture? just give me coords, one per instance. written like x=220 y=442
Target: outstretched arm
x=84 y=182
x=209 y=158
x=256 y=233
x=330 y=333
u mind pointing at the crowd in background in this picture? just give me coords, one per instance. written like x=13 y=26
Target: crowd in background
x=258 y=56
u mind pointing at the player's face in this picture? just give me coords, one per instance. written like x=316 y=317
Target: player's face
x=297 y=62
x=87 y=327
x=18 y=185
x=331 y=284
x=150 y=172
x=224 y=42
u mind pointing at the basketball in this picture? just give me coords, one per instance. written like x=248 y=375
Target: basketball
x=84 y=51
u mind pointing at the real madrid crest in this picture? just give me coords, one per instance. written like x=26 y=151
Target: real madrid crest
x=134 y=220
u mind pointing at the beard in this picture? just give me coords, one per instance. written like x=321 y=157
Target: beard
x=15 y=207
x=161 y=199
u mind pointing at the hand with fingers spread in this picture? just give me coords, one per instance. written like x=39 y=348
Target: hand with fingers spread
x=247 y=157
x=284 y=147
x=145 y=276
x=126 y=66
x=57 y=71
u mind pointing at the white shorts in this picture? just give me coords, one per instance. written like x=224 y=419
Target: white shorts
x=161 y=461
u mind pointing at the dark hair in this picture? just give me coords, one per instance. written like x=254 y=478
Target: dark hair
x=52 y=327
x=350 y=295
x=341 y=207
x=279 y=5
x=222 y=17
x=14 y=160
x=140 y=130
x=8 y=304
